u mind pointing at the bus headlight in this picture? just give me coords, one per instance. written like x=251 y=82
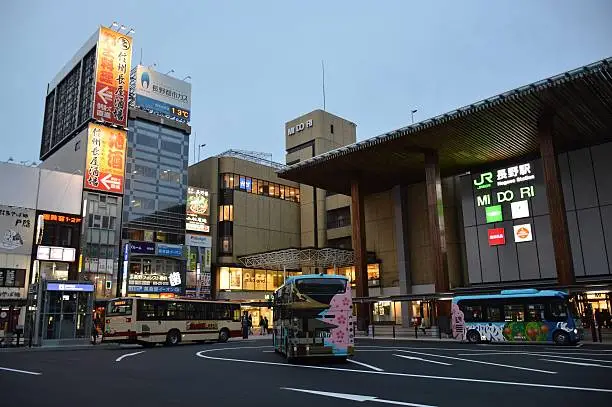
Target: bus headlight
x=575 y=331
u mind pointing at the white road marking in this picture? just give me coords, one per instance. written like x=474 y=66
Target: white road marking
x=378 y=369
x=20 y=371
x=202 y=354
x=577 y=363
x=480 y=361
x=422 y=360
x=120 y=358
x=545 y=354
x=355 y=397
x=267 y=351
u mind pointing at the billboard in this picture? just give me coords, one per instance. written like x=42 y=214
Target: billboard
x=105 y=165
x=16 y=230
x=163 y=94
x=113 y=64
x=198 y=210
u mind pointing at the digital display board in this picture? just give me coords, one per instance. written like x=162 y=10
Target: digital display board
x=197 y=210
x=105 y=165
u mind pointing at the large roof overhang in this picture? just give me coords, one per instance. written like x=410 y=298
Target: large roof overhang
x=501 y=128
x=298 y=258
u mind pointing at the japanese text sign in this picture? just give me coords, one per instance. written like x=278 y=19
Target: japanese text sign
x=105 y=166
x=114 y=59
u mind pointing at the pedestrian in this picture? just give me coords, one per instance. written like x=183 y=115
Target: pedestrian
x=245 y=325
x=94 y=332
x=261 y=325
x=266 y=325
x=250 y=321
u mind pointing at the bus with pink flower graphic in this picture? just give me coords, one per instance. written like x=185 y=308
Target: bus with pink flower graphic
x=313 y=316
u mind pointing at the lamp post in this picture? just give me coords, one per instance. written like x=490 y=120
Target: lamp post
x=412 y=114
x=199 y=149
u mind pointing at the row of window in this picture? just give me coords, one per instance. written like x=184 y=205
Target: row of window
x=339 y=218
x=260 y=187
x=151 y=310
x=236 y=278
x=493 y=311
x=153 y=236
x=150 y=172
x=373 y=274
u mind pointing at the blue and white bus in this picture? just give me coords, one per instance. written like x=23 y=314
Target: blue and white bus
x=527 y=315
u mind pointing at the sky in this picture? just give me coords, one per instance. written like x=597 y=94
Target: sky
x=257 y=64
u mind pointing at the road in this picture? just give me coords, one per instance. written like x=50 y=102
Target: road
x=250 y=373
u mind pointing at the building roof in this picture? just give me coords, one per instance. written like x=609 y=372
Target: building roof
x=500 y=128
x=297 y=258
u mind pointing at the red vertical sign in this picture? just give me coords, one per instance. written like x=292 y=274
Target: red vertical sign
x=496 y=237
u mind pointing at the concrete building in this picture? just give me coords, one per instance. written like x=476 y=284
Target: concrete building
x=40 y=225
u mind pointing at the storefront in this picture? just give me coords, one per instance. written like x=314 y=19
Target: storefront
x=154 y=270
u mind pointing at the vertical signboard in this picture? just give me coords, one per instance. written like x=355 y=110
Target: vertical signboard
x=105 y=166
x=163 y=94
x=198 y=210
x=114 y=60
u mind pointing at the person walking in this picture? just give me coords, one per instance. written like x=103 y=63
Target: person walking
x=245 y=325
x=261 y=325
x=250 y=322
x=265 y=325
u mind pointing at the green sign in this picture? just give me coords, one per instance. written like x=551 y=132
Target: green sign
x=494 y=213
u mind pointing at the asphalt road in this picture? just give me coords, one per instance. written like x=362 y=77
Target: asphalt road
x=251 y=374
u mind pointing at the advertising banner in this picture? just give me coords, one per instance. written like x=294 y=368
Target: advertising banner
x=105 y=165
x=496 y=237
x=198 y=210
x=197 y=240
x=16 y=230
x=522 y=233
x=113 y=64
x=142 y=247
x=163 y=94
x=174 y=250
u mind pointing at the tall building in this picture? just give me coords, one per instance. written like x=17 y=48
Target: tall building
x=86 y=131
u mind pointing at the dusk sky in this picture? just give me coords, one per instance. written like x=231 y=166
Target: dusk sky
x=257 y=64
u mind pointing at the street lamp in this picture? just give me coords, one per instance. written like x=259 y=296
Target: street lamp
x=170 y=71
x=412 y=114
x=186 y=77
x=199 y=149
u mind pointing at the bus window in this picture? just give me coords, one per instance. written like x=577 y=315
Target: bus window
x=557 y=311
x=145 y=310
x=472 y=313
x=235 y=312
x=176 y=311
x=119 y=307
x=494 y=313
x=514 y=313
x=535 y=313
x=223 y=312
x=322 y=286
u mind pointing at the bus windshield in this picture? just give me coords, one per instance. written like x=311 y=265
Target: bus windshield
x=119 y=308
x=322 y=286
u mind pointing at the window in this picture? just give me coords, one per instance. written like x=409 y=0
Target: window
x=338 y=218
x=494 y=313
x=144 y=171
x=147 y=141
x=340 y=243
x=321 y=286
x=282 y=191
x=171 y=147
x=331 y=128
x=226 y=245
x=226 y=213
x=170 y=176
x=535 y=313
x=119 y=307
x=176 y=311
x=557 y=311
x=224 y=278
x=235 y=278
x=12 y=277
x=472 y=313
x=248 y=279
x=514 y=313
x=373 y=275
x=242 y=183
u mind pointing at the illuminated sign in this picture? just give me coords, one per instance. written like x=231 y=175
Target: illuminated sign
x=505 y=176
x=174 y=279
x=113 y=64
x=197 y=240
x=197 y=210
x=163 y=94
x=496 y=237
x=70 y=287
x=174 y=250
x=522 y=233
x=50 y=217
x=299 y=127
x=520 y=209
x=105 y=166
x=142 y=247
x=67 y=254
x=494 y=213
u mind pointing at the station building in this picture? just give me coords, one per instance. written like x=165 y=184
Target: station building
x=512 y=191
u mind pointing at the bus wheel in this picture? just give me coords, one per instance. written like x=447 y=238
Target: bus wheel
x=173 y=337
x=473 y=336
x=561 y=338
x=223 y=335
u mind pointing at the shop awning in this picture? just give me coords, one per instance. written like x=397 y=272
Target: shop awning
x=498 y=129
x=297 y=258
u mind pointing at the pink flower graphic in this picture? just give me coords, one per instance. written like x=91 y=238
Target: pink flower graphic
x=341 y=320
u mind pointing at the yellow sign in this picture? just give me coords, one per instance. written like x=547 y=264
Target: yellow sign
x=114 y=60
x=105 y=166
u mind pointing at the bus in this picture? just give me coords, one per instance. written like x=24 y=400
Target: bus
x=527 y=315
x=313 y=316
x=148 y=321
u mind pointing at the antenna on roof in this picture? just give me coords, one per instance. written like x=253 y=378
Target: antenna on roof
x=323 y=69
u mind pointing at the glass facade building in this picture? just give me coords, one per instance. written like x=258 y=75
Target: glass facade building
x=154 y=203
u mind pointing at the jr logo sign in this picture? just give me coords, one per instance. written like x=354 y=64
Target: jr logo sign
x=485 y=181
